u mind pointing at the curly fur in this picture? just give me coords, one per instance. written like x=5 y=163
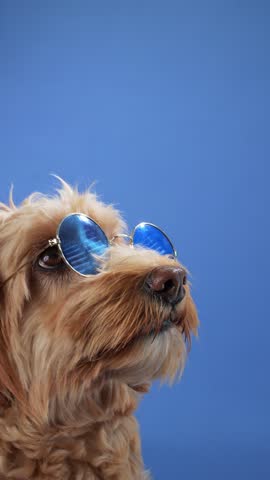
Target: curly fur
x=77 y=353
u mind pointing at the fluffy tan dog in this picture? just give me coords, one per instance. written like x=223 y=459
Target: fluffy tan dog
x=76 y=353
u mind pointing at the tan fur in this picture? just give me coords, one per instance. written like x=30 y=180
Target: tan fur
x=76 y=353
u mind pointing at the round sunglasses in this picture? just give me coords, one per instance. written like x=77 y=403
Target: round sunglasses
x=81 y=241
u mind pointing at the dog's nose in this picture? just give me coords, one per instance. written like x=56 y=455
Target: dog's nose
x=167 y=283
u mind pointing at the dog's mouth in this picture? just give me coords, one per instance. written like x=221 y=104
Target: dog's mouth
x=173 y=320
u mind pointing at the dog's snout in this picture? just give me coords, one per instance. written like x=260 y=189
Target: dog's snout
x=167 y=283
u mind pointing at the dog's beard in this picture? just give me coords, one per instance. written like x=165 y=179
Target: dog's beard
x=157 y=350
x=154 y=356
x=96 y=388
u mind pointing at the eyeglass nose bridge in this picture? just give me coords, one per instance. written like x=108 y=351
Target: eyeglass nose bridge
x=122 y=235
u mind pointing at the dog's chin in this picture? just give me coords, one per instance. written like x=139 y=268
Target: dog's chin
x=156 y=355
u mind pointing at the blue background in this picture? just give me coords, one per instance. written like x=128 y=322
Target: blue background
x=166 y=105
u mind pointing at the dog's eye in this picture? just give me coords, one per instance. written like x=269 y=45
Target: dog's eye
x=50 y=259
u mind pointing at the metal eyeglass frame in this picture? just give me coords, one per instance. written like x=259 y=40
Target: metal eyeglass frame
x=57 y=242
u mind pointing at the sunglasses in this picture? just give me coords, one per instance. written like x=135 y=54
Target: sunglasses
x=81 y=241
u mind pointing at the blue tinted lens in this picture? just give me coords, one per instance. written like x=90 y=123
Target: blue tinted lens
x=81 y=238
x=149 y=236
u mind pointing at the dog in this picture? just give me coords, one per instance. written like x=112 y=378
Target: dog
x=77 y=351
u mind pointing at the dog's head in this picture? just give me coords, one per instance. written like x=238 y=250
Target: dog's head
x=60 y=332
